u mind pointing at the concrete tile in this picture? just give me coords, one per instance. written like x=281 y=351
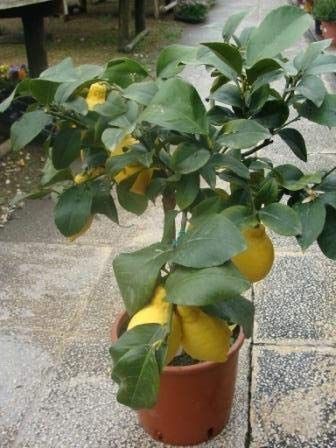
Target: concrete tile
x=44 y=286
x=104 y=305
x=293 y=398
x=296 y=302
x=26 y=358
x=78 y=408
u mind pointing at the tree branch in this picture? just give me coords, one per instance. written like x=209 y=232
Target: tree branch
x=266 y=142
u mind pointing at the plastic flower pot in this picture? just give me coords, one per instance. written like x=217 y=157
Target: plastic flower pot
x=194 y=402
x=329 y=31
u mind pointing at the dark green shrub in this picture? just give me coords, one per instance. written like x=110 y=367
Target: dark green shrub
x=193 y=11
x=325 y=10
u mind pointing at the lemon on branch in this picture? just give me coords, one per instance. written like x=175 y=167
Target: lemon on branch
x=157 y=312
x=257 y=260
x=97 y=95
x=204 y=337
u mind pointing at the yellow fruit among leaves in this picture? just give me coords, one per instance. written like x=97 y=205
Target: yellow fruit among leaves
x=257 y=260
x=157 y=312
x=88 y=175
x=97 y=95
x=204 y=337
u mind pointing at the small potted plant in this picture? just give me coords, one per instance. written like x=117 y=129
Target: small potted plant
x=325 y=12
x=115 y=129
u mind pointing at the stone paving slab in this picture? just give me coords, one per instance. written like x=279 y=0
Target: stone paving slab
x=296 y=303
x=78 y=408
x=26 y=356
x=43 y=287
x=293 y=402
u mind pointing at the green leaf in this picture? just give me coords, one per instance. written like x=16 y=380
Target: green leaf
x=63 y=72
x=177 y=106
x=236 y=309
x=132 y=202
x=188 y=157
x=312 y=215
x=207 y=57
x=304 y=60
x=172 y=59
x=211 y=241
x=327 y=239
x=312 y=88
x=28 y=127
x=281 y=218
x=102 y=201
x=73 y=210
x=113 y=107
x=228 y=94
x=66 y=147
x=259 y=98
x=199 y=287
x=232 y=24
x=124 y=71
x=325 y=114
x=273 y=114
x=187 y=190
x=141 y=92
x=329 y=198
x=302 y=182
x=294 y=139
x=325 y=63
x=52 y=176
x=228 y=54
x=242 y=134
x=268 y=192
x=241 y=216
x=225 y=161
x=137 y=274
x=218 y=115
x=138 y=375
x=43 y=91
x=280 y=29
x=142 y=335
x=262 y=68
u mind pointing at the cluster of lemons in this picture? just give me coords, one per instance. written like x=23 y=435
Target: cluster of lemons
x=204 y=337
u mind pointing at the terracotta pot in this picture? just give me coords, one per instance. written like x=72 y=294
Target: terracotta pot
x=194 y=401
x=329 y=31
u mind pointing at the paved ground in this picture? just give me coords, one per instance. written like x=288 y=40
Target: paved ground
x=57 y=302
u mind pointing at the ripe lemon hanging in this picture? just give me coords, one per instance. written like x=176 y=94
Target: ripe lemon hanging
x=157 y=312
x=204 y=337
x=97 y=95
x=257 y=260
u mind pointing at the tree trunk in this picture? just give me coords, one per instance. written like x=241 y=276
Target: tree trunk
x=124 y=23
x=140 y=15
x=83 y=5
x=33 y=27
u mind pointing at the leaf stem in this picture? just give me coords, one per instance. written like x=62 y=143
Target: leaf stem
x=266 y=142
x=328 y=172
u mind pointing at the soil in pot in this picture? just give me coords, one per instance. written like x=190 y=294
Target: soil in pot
x=194 y=401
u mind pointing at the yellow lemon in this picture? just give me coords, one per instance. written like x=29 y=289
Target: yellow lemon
x=257 y=260
x=142 y=181
x=204 y=337
x=157 y=312
x=97 y=95
x=83 y=230
x=90 y=174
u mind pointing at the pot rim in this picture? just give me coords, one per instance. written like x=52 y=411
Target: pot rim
x=182 y=370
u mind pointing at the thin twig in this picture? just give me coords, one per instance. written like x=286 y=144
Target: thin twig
x=266 y=142
x=328 y=172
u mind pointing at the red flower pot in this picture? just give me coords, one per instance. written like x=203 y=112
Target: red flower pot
x=329 y=31
x=194 y=402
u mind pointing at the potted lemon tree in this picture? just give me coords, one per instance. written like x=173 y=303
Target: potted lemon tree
x=118 y=137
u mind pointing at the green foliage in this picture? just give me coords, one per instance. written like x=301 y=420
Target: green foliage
x=193 y=11
x=143 y=138
x=325 y=10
